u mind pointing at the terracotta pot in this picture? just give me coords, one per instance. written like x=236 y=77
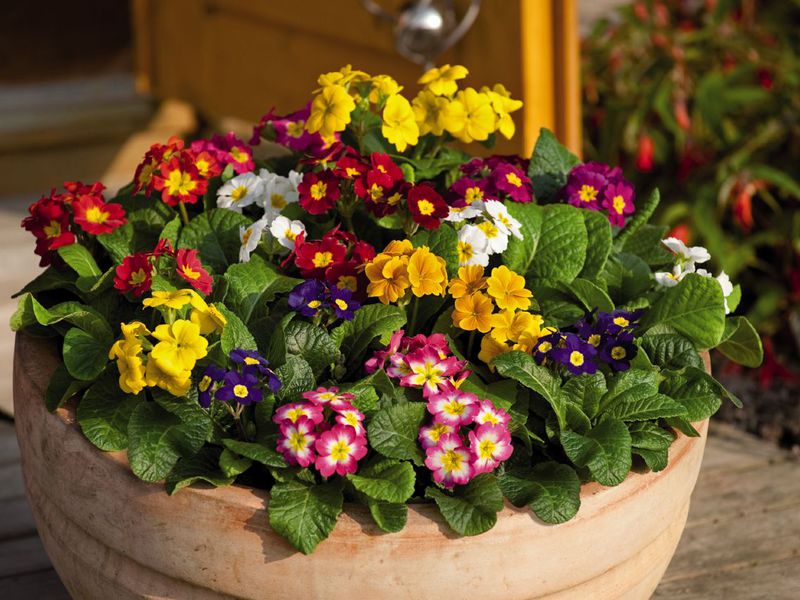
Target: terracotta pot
x=110 y=535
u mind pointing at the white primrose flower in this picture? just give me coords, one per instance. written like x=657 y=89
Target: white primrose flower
x=503 y=219
x=470 y=211
x=686 y=255
x=240 y=191
x=286 y=231
x=278 y=192
x=473 y=247
x=250 y=237
x=497 y=239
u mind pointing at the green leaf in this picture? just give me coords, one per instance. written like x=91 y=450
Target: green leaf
x=146 y=219
x=312 y=343
x=30 y=311
x=172 y=231
x=590 y=295
x=233 y=465
x=695 y=391
x=743 y=346
x=261 y=453
x=386 y=481
x=471 y=509
x=630 y=385
x=644 y=210
x=519 y=254
x=683 y=426
x=646 y=244
x=104 y=412
x=203 y=466
x=586 y=392
x=552 y=490
x=253 y=285
x=215 y=234
x=670 y=350
x=61 y=388
x=303 y=513
x=649 y=436
x=157 y=438
x=627 y=277
x=636 y=408
x=521 y=367
x=393 y=431
x=605 y=451
x=80 y=260
x=694 y=308
x=550 y=164
x=84 y=355
x=296 y=377
x=370 y=322
x=598 y=231
x=52 y=278
x=389 y=517
x=656 y=460
x=562 y=244
x=235 y=334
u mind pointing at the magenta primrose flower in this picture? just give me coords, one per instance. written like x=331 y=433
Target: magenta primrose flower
x=330 y=397
x=489 y=445
x=429 y=371
x=339 y=450
x=296 y=443
x=488 y=413
x=429 y=435
x=450 y=461
x=452 y=406
x=298 y=410
x=352 y=417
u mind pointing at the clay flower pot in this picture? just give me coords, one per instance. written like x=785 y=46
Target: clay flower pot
x=110 y=535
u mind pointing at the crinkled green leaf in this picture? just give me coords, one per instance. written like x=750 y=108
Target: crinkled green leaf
x=235 y=334
x=385 y=481
x=261 y=453
x=312 y=343
x=695 y=391
x=586 y=391
x=203 y=466
x=370 y=322
x=598 y=231
x=393 y=431
x=627 y=277
x=562 y=244
x=549 y=166
x=521 y=367
x=670 y=350
x=644 y=210
x=303 y=513
x=84 y=355
x=519 y=254
x=215 y=235
x=605 y=451
x=552 y=490
x=61 y=388
x=253 y=285
x=389 y=517
x=232 y=465
x=471 y=509
x=296 y=377
x=104 y=412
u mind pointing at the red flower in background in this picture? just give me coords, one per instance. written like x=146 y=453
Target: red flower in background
x=191 y=269
x=682 y=232
x=96 y=216
x=644 y=153
x=427 y=207
x=179 y=181
x=319 y=192
x=134 y=274
x=144 y=179
x=76 y=189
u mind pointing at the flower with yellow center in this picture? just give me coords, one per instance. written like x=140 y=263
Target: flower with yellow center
x=179 y=347
x=343 y=76
x=427 y=108
x=490 y=348
x=442 y=80
x=207 y=317
x=508 y=289
x=330 y=111
x=479 y=117
x=177 y=299
x=503 y=104
x=399 y=248
x=470 y=280
x=128 y=354
x=427 y=273
x=473 y=312
x=383 y=86
x=388 y=276
x=133 y=331
x=177 y=384
x=399 y=125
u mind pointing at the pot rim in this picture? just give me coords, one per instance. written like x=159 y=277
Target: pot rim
x=595 y=498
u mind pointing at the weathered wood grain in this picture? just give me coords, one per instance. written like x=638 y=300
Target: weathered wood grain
x=39 y=585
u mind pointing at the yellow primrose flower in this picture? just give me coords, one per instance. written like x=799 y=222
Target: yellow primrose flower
x=388 y=276
x=399 y=125
x=502 y=323
x=176 y=299
x=452 y=116
x=177 y=384
x=490 y=348
x=427 y=108
x=503 y=105
x=330 y=111
x=128 y=355
x=427 y=273
x=383 y=86
x=442 y=80
x=180 y=346
x=133 y=331
x=473 y=312
x=479 y=118
x=508 y=289
x=399 y=248
x=209 y=320
x=343 y=76
x=470 y=280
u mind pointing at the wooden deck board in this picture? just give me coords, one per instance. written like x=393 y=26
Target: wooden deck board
x=742 y=539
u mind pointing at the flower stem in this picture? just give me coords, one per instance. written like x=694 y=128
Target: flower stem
x=414 y=312
x=470 y=343
x=184 y=213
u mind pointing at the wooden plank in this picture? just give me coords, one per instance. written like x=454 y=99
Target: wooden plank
x=9 y=450
x=17 y=519
x=11 y=481
x=775 y=580
x=33 y=586
x=22 y=555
